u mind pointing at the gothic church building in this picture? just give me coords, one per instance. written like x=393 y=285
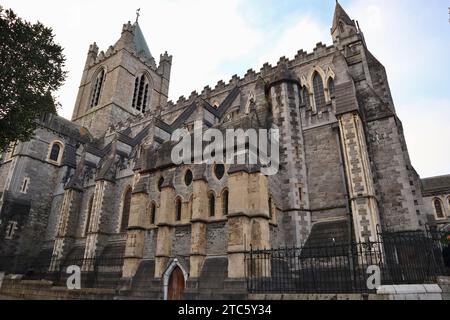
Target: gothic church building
x=103 y=185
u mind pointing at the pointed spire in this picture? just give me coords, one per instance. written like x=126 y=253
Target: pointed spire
x=341 y=15
x=139 y=41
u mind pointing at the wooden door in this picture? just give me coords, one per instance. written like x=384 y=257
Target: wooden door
x=176 y=285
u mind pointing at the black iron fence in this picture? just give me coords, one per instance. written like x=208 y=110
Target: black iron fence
x=99 y=272
x=395 y=258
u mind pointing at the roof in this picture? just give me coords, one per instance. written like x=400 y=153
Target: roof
x=139 y=41
x=435 y=185
x=340 y=15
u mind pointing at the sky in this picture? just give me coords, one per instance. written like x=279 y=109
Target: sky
x=212 y=40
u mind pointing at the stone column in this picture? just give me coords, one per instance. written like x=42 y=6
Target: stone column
x=359 y=176
x=138 y=222
x=66 y=226
x=248 y=219
x=165 y=224
x=199 y=222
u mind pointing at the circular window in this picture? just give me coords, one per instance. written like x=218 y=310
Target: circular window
x=188 y=178
x=160 y=183
x=219 y=171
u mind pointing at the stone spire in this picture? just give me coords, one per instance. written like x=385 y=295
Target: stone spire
x=341 y=15
x=133 y=39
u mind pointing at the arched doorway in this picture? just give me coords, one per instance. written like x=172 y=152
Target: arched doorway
x=176 y=285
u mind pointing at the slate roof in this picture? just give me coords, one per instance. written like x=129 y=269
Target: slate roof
x=436 y=185
x=139 y=41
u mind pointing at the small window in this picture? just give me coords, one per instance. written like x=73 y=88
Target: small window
x=341 y=27
x=300 y=194
x=178 y=210
x=219 y=171
x=153 y=213
x=191 y=207
x=225 y=196
x=331 y=89
x=305 y=97
x=25 y=184
x=160 y=183
x=438 y=208
x=11 y=230
x=188 y=178
x=212 y=205
x=270 y=208
x=54 y=154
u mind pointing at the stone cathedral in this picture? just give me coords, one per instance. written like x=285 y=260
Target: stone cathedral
x=104 y=185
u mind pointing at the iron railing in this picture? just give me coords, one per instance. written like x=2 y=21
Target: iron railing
x=99 y=272
x=395 y=258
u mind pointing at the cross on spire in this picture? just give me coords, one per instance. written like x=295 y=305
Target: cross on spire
x=138 y=14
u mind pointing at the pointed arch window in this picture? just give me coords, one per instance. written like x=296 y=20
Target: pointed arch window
x=89 y=214
x=126 y=210
x=438 y=208
x=225 y=196
x=97 y=88
x=319 y=94
x=331 y=89
x=141 y=93
x=178 y=210
x=305 y=97
x=212 y=204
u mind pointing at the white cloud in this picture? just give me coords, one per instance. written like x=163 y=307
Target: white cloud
x=304 y=34
x=407 y=44
x=204 y=35
x=426 y=126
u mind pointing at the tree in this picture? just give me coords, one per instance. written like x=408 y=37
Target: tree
x=31 y=66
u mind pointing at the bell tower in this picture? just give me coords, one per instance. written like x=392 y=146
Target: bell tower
x=121 y=82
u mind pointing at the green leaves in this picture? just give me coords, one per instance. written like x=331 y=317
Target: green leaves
x=31 y=69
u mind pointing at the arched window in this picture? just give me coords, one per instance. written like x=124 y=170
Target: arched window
x=212 y=204
x=89 y=214
x=153 y=213
x=305 y=97
x=331 y=87
x=55 y=152
x=125 y=210
x=225 y=203
x=97 y=88
x=319 y=95
x=141 y=93
x=178 y=210
x=438 y=208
